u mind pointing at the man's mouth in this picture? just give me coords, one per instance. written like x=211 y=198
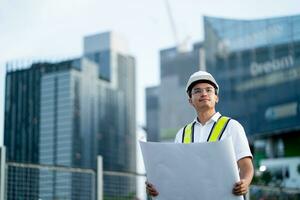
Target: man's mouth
x=204 y=100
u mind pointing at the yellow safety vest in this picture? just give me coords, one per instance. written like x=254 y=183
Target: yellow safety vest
x=214 y=135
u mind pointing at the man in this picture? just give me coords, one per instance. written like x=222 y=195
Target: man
x=210 y=126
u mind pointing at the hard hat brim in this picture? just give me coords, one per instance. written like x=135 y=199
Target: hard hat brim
x=203 y=79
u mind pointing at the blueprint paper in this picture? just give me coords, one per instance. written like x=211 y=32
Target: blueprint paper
x=196 y=171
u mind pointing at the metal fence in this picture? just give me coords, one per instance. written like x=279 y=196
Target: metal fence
x=28 y=181
x=21 y=181
x=273 y=193
x=123 y=186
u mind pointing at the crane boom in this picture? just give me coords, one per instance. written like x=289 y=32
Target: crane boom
x=173 y=27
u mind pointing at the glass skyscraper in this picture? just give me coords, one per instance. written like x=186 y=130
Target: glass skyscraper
x=80 y=110
x=167 y=108
x=152 y=114
x=174 y=109
x=256 y=63
x=259 y=61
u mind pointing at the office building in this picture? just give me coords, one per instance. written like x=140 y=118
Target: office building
x=167 y=107
x=152 y=114
x=257 y=65
x=78 y=109
x=22 y=125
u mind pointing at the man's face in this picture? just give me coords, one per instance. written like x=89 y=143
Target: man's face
x=203 y=97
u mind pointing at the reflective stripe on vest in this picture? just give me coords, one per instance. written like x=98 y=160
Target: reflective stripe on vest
x=218 y=129
x=188 y=133
x=214 y=135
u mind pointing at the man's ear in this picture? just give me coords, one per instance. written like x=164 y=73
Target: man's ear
x=190 y=101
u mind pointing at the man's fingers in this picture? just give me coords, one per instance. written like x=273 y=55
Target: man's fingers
x=239 y=183
x=151 y=189
x=240 y=188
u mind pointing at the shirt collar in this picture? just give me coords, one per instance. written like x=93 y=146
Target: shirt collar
x=214 y=118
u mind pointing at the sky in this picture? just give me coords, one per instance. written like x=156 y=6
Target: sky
x=35 y=30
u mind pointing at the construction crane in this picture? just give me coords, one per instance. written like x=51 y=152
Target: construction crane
x=180 y=46
x=174 y=31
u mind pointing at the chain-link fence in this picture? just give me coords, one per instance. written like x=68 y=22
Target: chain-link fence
x=45 y=182
x=28 y=181
x=21 y=181
x=276 y=193
x=123 y=186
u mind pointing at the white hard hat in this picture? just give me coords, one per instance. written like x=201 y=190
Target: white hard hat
x=201 y=76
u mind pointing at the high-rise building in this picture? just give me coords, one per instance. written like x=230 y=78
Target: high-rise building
x=257 y=65
x=172 y=109
x=67 y=128
x=117 y=68
x=152 y=114
x=84 y=107
x=22 y=124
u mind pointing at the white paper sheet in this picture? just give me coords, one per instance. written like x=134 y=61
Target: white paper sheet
x=197 y=171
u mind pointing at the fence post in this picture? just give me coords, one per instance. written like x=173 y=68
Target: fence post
x=99 y=178
x=2 y=172
x=247 y=196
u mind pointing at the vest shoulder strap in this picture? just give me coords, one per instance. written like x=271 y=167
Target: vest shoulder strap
x=215 y=134
x=188 y=133
x=218 y=129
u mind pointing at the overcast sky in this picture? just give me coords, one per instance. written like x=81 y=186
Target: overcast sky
x=54 y=29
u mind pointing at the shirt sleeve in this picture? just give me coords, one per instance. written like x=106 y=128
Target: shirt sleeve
x=239 y=140
x=178 y=138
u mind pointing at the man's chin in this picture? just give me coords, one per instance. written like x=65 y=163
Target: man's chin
x=204 y=106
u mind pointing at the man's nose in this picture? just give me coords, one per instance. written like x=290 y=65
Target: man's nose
x=204 y=93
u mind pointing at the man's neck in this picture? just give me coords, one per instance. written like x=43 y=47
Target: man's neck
x=203 y=117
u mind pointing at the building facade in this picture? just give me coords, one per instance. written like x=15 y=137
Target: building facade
x=109 y=51
x=260 y=65
x=82 y=110
x=20 y=134
x=176 y=66
x=152 y=114
x=256 y=63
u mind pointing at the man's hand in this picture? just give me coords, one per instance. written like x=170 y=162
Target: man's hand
x=151 y=189
x=246 y=173
x=241 y=187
